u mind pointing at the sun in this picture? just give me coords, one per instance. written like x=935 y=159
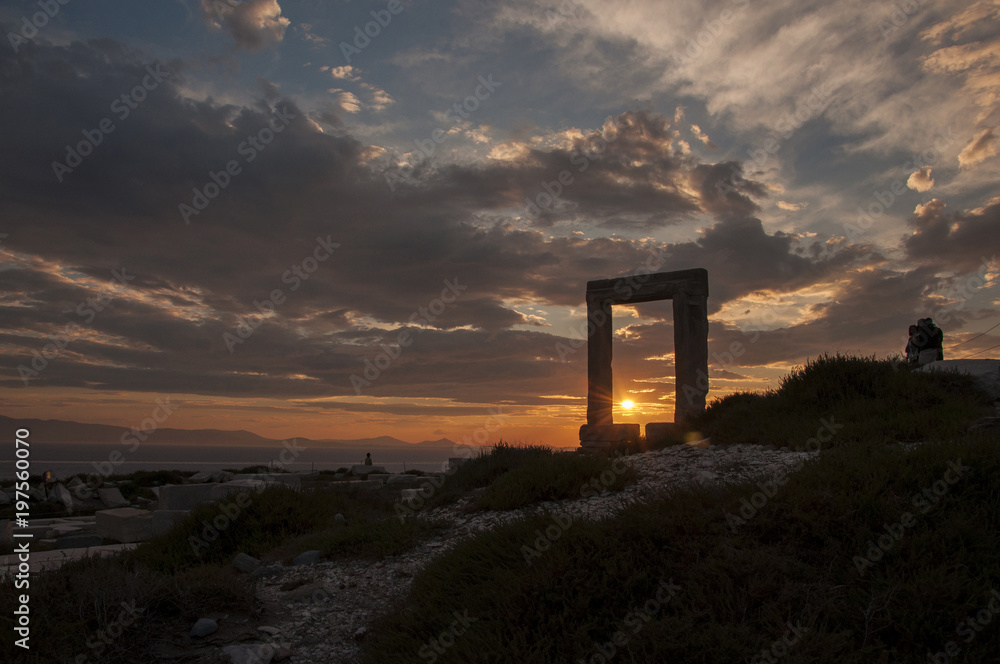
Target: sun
x=627 y=404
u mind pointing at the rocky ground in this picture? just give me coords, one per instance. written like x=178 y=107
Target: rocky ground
x=319 y=613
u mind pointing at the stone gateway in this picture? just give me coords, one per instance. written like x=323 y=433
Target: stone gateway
x=688 y=289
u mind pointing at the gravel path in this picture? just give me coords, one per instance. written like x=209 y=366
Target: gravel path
x=319 y=612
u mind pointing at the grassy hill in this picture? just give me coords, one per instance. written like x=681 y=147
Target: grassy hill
x=870 y=553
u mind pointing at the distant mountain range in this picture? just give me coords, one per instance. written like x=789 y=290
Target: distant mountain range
x=62 y=431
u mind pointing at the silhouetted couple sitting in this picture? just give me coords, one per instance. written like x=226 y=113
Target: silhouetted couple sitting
x=926 y=343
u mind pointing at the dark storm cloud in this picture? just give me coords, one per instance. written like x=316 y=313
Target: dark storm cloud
x=951 y=240
x=194 y=283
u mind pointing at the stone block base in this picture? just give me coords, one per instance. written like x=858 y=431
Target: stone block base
x=605 y=435
x=660 y=432
x=184 y=496
x=125 y=524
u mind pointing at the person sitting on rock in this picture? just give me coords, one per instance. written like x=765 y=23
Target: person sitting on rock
x=368 y=459
x=912 y=352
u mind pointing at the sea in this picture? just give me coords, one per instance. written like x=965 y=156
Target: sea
x=65 y=460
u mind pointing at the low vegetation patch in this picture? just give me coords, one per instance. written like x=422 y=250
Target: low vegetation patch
x=698 y=576
x=101 y=610
x=509 y=477
x=841 y=399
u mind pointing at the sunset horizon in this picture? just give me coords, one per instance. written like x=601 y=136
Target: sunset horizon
x=344 y=222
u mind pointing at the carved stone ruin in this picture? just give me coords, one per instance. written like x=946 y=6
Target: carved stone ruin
x=689 y=291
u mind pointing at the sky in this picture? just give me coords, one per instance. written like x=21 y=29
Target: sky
x=349 y=219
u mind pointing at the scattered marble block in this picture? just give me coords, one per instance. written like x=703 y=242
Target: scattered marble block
x=112 y=498
x=78 y=541
x=378 y=477
x=403 y=480
x=659 y=432
x=125 y=524
x=203 y=628
x=306 y=558
x=291 y=480
x=62 y=495
x=361 y=470
x=246 y=563
x=220 y=491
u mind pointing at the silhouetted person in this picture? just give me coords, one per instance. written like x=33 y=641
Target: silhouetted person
x=368 y=459
x=912 y=352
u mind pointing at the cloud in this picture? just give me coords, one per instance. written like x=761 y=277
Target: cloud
x=446 y=221
x=979 y=149
x=953 y=241
x=703 y=137
x=345 y=73
x=792 y=207
x=920 y=180
x=253 y=24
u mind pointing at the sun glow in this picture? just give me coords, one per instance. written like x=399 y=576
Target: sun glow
x=627 y=404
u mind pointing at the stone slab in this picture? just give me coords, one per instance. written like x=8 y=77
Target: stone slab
x=78 y=541
x=357 y=485
x=220 y=491
x=62 y=495
x=403 y=480
x=658 y=432
x=112 y=497
x=599 y=435
x=184 y=496
x=125 y=524
x=361 y=470
x=986 y=372
x=165 y=520
x=291 y=480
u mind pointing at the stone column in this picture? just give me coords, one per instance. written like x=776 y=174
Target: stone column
x=599 y=378
x=690 y=355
